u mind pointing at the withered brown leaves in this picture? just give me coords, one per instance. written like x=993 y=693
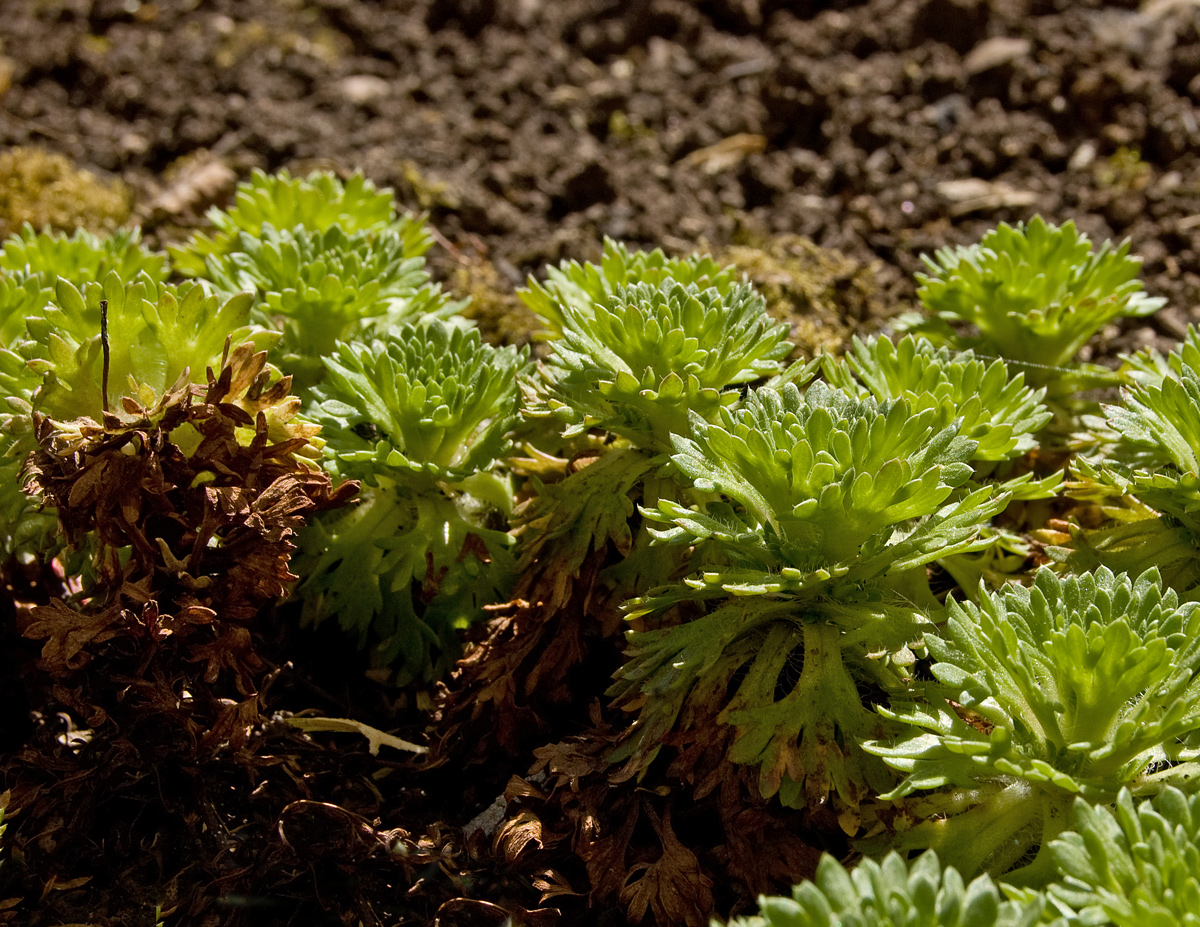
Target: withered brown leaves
x=182 y=516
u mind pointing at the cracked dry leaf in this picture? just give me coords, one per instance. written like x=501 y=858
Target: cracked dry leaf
x=762 y=848
x=553 y=884
x=518 y=834
x=604 y=853
x=68 y=633
x=674 y=887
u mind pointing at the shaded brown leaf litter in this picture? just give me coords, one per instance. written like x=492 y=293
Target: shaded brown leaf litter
x=141 y=731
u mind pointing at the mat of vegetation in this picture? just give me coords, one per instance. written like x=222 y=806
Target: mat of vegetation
x=721 y=604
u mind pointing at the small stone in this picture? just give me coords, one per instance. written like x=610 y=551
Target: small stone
x=360 y=89
x=993 y=52
x=1083 y=157
x=973 y=194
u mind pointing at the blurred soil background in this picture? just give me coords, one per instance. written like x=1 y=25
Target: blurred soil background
x=821 y=146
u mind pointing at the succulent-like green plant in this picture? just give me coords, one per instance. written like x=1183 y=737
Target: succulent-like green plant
x=1033 y=294
x=1131 y=865
x=154 y=333
x=31 y=263
x=81 y=257
x=992 y=408
x=1078 y=686
x=639 y=361
x=573 y=289
x=317 y=203
x=21 y=295
x=824 y=509
x=1158 y=465
x=635 y=359
x=894 y=893
x=997 y=410
x=421 y=417
x=822 y=483
x=323 y=286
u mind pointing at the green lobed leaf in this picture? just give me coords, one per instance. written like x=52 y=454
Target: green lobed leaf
x=1132 y=865
x=993 y=408
x=430 y=397
x=574 y=290
x=818 y=475
x=155 y=333
x=421 y=417
x=321 y=286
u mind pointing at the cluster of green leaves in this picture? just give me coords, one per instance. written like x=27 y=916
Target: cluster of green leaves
x=640 y=360
x=573 y=290
x=328 y=262
x=327 y=274
x=421 y=417
x=894 y=893
x=1079 y=686
x=996 y=410
x=640 y=345
x=1033 y=294
x=824 y=511
x=1125 y=865
x=317 y=203
x=1130 y=865
x=34 y=268
x=1153 y=464
x=783 y=534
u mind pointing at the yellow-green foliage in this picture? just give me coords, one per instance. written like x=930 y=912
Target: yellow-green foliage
x=46 y=190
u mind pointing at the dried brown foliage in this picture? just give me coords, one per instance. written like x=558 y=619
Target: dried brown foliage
x=524 y=671
x=662 y=850
x=148 y=682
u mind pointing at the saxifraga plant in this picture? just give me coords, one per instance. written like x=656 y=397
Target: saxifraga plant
x=825 y=510
x=317 y=203
x=895 y=893
x=1033 y=294
x=572 y=290
x=628 y=364
x=421 y=417
x=1131 y=864
x=637 y=360
x=992 y=407
x=998 y=411
x=1078 y=686
x=154 y=333
x=1150 y=485
x=31 y=264
x=322 y=286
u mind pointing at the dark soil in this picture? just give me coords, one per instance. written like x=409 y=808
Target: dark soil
x=530 y=129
